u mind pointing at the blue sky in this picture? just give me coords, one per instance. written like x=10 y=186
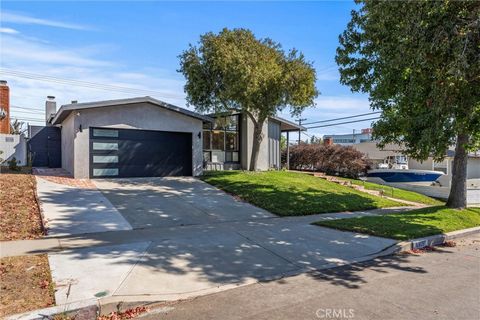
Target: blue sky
x=136 y=44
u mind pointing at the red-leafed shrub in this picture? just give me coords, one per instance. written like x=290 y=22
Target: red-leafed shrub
x=333 y=159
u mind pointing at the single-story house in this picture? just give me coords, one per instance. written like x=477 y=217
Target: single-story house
x=142 y=137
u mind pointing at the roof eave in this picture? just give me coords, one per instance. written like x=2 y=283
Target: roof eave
x=64 y=110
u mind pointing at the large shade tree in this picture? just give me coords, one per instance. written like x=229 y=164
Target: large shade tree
x=233 y=70
x=419 y=61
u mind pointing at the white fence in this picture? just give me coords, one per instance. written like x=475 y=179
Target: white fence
x=473 y=190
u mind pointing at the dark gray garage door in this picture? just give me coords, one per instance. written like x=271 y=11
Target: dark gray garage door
x=139 y=153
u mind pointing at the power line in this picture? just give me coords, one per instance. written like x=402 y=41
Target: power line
x=29 y=112
x=336 y=124
x=87 y=84
x=303 y=132
x=343 y=118
x=27 y=119
x=30 y=109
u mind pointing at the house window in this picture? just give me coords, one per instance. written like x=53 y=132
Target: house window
x=231 y=141
x=218 y=140
x=221 y=141
x=207 y=139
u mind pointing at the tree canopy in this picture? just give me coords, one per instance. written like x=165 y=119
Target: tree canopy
x=420 y=63
x=233 y=70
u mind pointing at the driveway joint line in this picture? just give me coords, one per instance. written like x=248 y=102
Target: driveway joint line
x=272 y=252
x=144 y=253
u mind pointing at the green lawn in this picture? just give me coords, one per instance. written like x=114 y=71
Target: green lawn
x=293 y=194
x=409 y=225
x=397 y=193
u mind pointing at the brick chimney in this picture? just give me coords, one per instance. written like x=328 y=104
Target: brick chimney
x=327 y=141
x=4 y=107
x=50 y=109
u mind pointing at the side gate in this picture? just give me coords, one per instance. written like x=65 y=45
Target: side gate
x=44 y=146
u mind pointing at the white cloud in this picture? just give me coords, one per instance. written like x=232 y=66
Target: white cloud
x=30 y=51
x=9 y=31
x=25 y=19
x=76 y=63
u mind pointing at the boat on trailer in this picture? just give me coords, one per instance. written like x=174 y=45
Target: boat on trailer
x=394 y=169
x=403 y=175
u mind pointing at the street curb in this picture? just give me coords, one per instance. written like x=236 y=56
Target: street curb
x=43 y=221
x=83 y=310
x=426 y=241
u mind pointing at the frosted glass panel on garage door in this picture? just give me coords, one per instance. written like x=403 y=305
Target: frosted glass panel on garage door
x=105 y=133
x=105 y=146
x=105 y=172
x=105 y=159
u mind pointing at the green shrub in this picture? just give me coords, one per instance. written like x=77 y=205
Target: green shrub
x=13 y=164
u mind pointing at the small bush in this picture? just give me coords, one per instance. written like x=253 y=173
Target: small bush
x=333 y=160
x=13 y=164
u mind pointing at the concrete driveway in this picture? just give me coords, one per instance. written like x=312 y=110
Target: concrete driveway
x=174 y=201
x=188 y=239
x=72 y=210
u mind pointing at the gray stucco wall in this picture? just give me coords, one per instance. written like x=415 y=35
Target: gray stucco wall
x=274 y=134
x=247 y=142
x=136 y=116
x=68 y=135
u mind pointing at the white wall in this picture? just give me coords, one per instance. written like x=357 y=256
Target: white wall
x=13 y=145
x=136 y=116
x=420 y=165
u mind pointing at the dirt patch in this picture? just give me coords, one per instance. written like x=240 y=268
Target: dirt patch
x=25 y=284
x=19 y=213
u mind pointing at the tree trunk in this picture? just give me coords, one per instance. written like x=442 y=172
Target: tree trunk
x=458 y=190
x=257 y=140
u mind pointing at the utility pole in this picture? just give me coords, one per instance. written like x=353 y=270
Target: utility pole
x=299 y=130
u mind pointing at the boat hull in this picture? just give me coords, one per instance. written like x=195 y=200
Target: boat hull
x=403 y=176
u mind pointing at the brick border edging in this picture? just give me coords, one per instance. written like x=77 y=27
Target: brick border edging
x=426 y=241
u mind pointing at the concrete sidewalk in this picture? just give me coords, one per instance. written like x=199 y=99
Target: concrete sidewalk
x=184 y=262
x=205 y=259
x=69 y=242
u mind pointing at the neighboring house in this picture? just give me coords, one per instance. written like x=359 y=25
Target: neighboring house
x=349 y=139
x=376 y=155
x=141 y=137
x=13 y=146
x=4 y=107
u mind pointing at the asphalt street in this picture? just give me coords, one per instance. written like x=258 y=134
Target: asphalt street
x=439 y=284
